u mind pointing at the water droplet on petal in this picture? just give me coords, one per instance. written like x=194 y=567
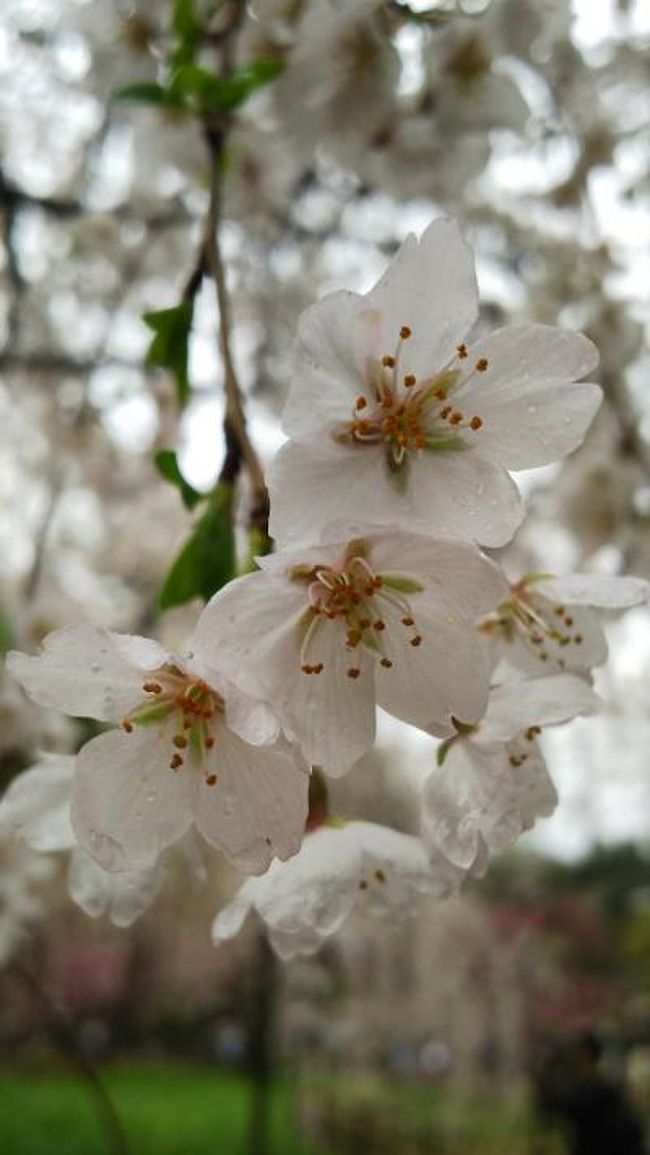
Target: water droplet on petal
x=105 y=849
x=149 y=798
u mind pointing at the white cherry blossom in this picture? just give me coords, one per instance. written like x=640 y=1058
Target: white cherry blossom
x=492 y=783
x=546 y=624
x=375 y=617
x=36 y=806
x=188 y=752
x=340 y=82
x=340 y=869
x=393 y=417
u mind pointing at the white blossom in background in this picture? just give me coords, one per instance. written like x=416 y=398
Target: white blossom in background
x=393 y=418
x=373 y=617
x=546 y=624
x=191 y=750
x=340 y=81
x=23 y=877
x=36 y=807
x=492 y=783
x=356 y=866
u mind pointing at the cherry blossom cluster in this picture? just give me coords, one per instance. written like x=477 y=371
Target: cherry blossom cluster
x=402 y=431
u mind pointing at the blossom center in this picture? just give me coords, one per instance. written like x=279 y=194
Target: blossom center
x=405 y=415
x=197 y=708
x=536 y=620
x=369 y=605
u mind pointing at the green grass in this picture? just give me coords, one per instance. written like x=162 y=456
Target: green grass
x=165 y=1110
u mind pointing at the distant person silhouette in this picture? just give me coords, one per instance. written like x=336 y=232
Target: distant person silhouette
x=598 y=1117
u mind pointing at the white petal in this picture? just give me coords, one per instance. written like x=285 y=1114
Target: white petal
x=541 y=422
x=447 y=674
x=429 y=286
x=328 y=370
x=257 y=809
x=248 y=627
x=123 y=896
x=523 y=354
x=253 y=625
x=127 y=805
x=468 y=497
x=450 y=800
x=514 y=706
x=457 y=577
x=249 y=717
x=305 y=899
x=590 y=589
x=404 y=866
x=331 y=715
x=536 y=794
x=232 y=917
x=471 y=799
x=459 y=494
x=87 y=672
x=36 y=804
x=551 y=656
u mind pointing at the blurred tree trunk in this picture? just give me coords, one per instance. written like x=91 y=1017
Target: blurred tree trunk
x=260 y=1057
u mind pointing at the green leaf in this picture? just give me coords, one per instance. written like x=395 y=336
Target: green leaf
x=148 y=93
x=218 y=94
x=169 y=347
x=167 y=465
x=207 y=561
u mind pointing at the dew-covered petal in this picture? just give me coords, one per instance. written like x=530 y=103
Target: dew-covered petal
x=121 y=895
x=399 y=863
x=333 y=341
x=127 y=804
x=446 y=675
x=429 y=286
x=257 y=808
x=331 y=714
x=548 y=701
x=456 y=577
x=484 y=797
x=304 y=900
x=248 y=627
x=590 y=589
x=520 y=355
x=36 y=805
x=542 y=423
x=254 y=625
x=87 y=672
x=450 y=801
x=251 y=718
x=464 y=495
x=456 y=493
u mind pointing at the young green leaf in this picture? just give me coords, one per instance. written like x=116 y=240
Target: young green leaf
x=167 y=465
x=217 y=94
x=169 y=347
x=149 y=93
x=207 y=561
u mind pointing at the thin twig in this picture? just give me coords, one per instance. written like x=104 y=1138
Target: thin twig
x=239 y=447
